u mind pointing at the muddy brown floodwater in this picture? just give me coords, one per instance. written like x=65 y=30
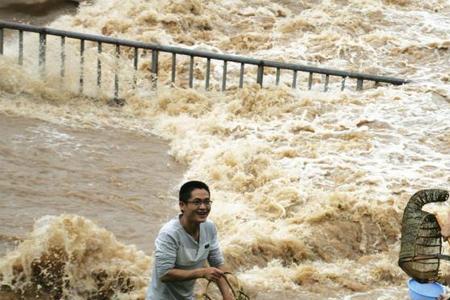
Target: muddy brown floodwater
x=309 y=187
x=36 y=13
x=121 y=180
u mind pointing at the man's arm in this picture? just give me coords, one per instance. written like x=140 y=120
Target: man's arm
x=223 y=286
x=165 y=256
x=213 y=274
x=443 y=219
x=215 y=258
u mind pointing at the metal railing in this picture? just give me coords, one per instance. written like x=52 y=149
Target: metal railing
x=261 y=65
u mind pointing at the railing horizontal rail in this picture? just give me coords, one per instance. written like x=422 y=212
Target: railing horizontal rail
x=198 y=53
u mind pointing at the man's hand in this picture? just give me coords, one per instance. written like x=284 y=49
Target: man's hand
x=443 y=219
x=212 y=274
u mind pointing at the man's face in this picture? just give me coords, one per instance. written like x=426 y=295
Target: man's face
x=196 y=209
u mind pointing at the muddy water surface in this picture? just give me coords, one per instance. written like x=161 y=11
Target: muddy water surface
x=117 y=178
x=35 y=12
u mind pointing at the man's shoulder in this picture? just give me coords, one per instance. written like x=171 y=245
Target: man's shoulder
x=209 y=225
x=171 y=227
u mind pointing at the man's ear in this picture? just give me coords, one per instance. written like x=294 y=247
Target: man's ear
x=182 y=204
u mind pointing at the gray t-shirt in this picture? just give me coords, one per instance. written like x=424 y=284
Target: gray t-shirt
x=175 y=248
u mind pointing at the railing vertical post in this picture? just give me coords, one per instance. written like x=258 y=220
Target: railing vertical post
x=224 y=76
x=99 y=64
x=20 y=47
x=116 y=73
x=42 y=52
x=241 y=76
x=81 y=66
x=135 y=66
x=63 y=59
x=310 y=79
x=359 y=84
x=174 y=67
x=1 y=41
x=343 y=83
x=327 y=80
x=191 y=72
x=260 y=74
x=155 y=54
x=277 y=79
x=294 y=79
x=208 y=71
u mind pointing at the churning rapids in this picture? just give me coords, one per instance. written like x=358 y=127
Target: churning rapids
x=308 y=187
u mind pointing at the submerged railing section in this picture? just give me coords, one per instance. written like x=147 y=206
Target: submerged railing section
x=133 y=52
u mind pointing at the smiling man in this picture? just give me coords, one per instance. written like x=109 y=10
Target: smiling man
x=183 y=246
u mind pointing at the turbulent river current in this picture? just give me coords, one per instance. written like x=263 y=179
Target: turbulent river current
x=308 y=186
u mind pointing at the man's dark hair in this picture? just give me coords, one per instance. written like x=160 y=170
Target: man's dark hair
x=188 y=187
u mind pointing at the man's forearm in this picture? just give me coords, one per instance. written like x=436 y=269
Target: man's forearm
x=182 y=275
x=215 y=274
x=224 y=289
x=223 y=286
